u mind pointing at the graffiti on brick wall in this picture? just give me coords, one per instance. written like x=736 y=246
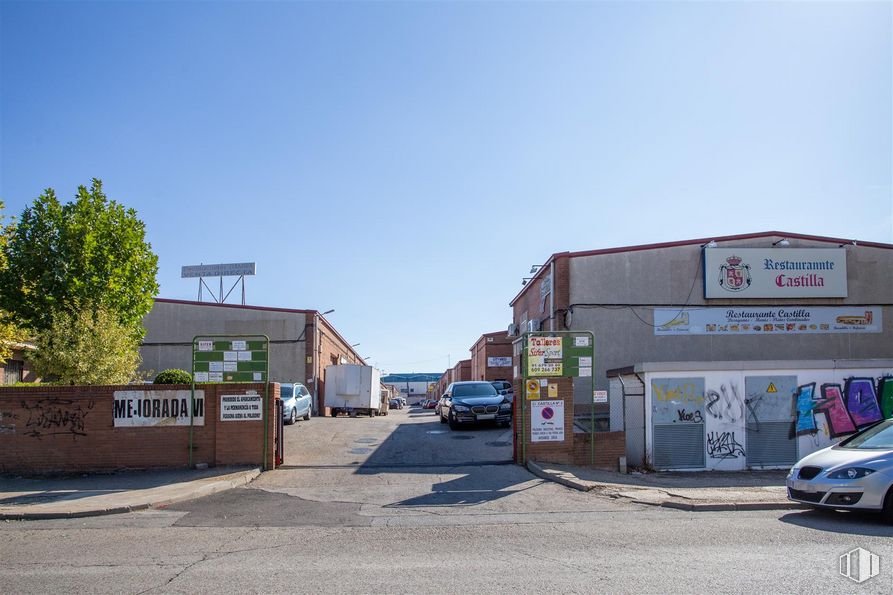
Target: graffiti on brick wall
x=858 y=403
x=57 y=417
x=5 y=418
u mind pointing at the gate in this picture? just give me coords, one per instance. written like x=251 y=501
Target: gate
x=770 y=416
x=279 y=438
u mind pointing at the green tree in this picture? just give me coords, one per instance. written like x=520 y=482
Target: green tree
x=90 y=253
x=10 y=333
x=87 y=346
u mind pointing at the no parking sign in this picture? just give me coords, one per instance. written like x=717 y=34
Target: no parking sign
x=547 y=421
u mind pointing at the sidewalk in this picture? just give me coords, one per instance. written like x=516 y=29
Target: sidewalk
x=94 y=495
x=694 y=491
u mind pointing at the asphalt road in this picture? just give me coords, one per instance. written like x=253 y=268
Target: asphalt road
x=402 y=504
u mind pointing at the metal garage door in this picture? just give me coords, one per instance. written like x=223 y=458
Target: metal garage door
x=679 y=446
x=677 y=421
x=770 y=416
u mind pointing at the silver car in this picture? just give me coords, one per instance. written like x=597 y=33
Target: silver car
x=854 y=474
x=296 y=402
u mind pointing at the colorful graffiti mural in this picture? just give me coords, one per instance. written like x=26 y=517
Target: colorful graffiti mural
x=859 y=403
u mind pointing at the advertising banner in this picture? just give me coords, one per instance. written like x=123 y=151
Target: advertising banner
x=545 y=356
x=547 y=421
x=768 y=320
x=731 y=273
x=499 y=362
x=145 y=408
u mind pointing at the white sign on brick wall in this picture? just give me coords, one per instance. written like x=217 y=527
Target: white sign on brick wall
x=139 y=408
x=247 y=407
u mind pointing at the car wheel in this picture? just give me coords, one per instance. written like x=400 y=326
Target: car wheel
x=442 y=418
x=454 y=425
x=307 y=415
x=292 y=418
x=887 y=512
x=504 y=424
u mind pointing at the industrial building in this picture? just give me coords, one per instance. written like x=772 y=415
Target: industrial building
x=491 y=357
x=701 y=341
x=302 y=342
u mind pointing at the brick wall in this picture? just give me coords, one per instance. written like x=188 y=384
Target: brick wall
x=496 y=344
x=576 y=449
x=70 y=429
x=528 y=302
x=331 y=349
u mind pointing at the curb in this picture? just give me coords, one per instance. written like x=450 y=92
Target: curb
x=227 y=482
x=542 y=473
x=674 y=504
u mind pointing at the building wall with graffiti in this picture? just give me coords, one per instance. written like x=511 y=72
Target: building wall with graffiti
x=740 y=418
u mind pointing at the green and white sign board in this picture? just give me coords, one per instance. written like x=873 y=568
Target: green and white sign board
x=559 y=355
x=223 y=359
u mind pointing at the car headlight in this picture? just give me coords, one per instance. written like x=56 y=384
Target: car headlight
x=850 y=473
x=460 y=408
x=505 y=406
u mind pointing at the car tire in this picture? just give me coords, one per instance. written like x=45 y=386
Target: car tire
x=454 y=425
x=293 y=417
x=887 y=511
x=307 y=415
x=442 y=418
x=504 y=424
x=334 y=413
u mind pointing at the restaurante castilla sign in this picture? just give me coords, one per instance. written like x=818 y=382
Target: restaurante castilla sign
x=775 y=272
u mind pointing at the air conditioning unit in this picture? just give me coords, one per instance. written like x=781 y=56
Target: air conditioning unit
x=533 y=325
x=513 y=330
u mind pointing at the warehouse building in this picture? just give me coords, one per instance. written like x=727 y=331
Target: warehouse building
x=491 y=357
x=302 y=342
x=691 y=335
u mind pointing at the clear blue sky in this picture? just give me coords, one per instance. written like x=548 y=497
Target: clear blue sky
x=393 y=160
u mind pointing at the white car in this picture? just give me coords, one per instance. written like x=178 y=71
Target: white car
x=854 y=474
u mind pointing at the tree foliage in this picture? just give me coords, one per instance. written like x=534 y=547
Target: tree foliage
x=10 y=333
x=87 y=346
x=90 y=253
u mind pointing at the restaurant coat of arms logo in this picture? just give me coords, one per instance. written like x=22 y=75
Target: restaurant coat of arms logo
x=734 y=276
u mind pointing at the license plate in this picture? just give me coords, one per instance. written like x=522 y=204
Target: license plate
x=487 y=416
x=804 y=486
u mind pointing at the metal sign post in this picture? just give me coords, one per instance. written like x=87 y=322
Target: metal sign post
x=555 y=354
x=231 y=359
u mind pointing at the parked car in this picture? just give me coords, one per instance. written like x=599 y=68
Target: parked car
x=471 y=402
x=296 y=402
x=429 y=404
x=857 y=473
x=504 y=387
x=394 y=404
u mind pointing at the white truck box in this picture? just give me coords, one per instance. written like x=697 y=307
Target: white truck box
x=353 y=389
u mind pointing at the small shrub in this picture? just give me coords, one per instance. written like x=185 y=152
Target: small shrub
x=173 y=376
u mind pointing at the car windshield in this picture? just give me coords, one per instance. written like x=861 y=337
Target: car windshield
x=481 y=389
x=285 y=392
x=878 y=436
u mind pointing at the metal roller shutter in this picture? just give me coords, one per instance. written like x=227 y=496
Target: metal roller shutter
x=679 y=446
x=769 y=444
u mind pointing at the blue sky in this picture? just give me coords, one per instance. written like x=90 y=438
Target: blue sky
x=406 y=162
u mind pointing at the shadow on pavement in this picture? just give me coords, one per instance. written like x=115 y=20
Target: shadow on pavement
x=844 y=521
x=481 y=455
x=22 y=491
